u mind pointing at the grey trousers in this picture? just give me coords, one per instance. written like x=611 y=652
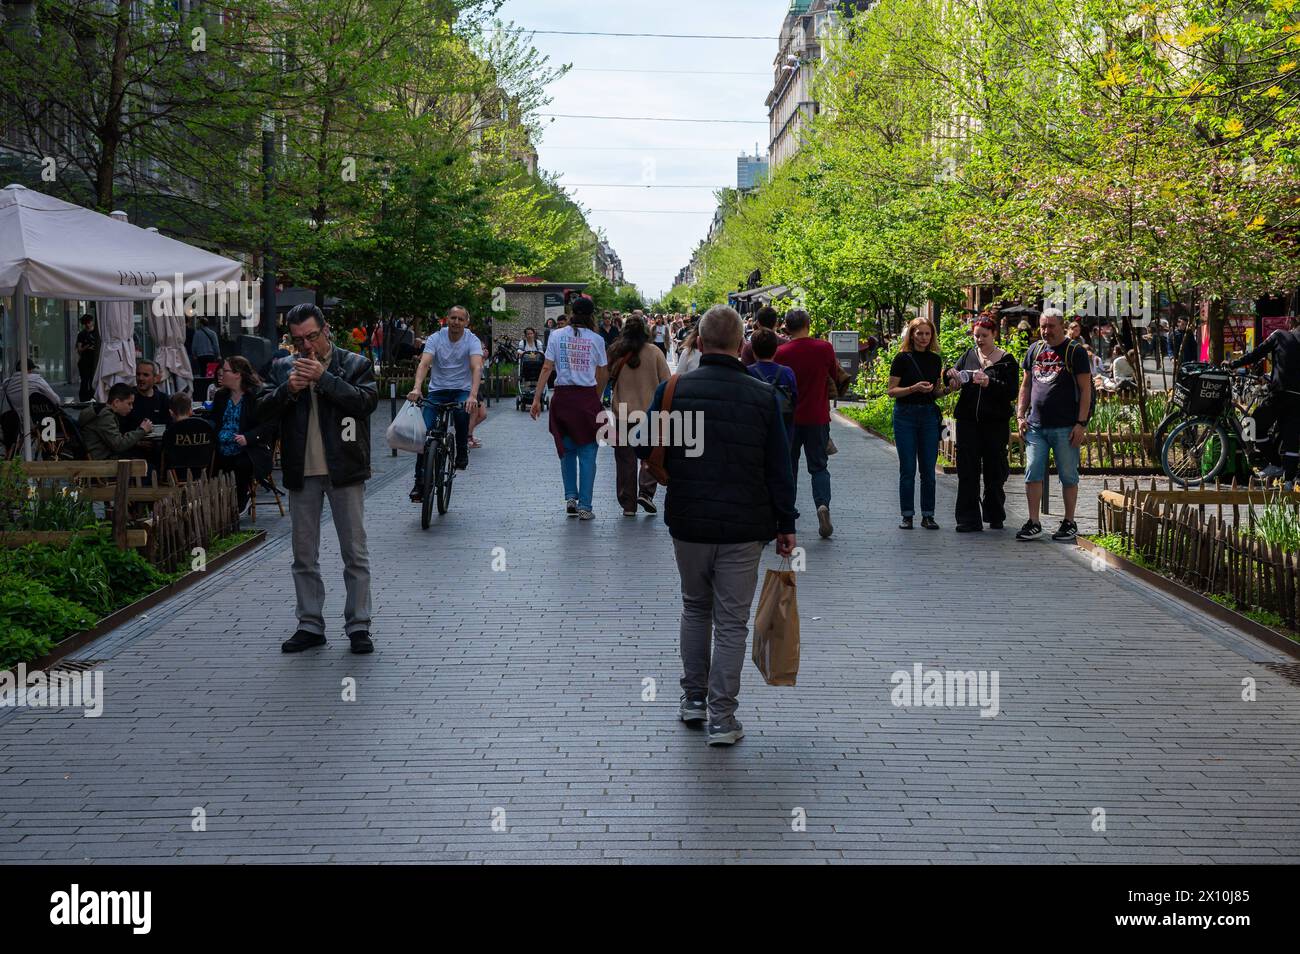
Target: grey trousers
x=348 y=505
x=718 y=583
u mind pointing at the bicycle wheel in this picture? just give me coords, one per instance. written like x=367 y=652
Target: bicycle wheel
x=426 y=485
x=1195 y=452
x=447 y=474
x=1161 y=433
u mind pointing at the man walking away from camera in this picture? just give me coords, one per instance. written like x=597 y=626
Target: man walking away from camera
x=723 y=505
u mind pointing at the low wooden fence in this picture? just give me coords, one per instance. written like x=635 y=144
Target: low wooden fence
x=166 y=522
x=101 y=481
x=1113 y=451
x=191 y=518
x=1176 y=535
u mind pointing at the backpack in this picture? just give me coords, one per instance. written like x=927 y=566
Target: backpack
x=1070 y=344
x=784 y=399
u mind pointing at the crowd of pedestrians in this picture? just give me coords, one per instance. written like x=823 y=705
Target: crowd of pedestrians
x=761 y=392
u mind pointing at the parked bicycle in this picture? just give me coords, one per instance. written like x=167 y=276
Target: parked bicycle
x=505 y=352
x=1217 y=434
x=1247 y=391
x=439 y=470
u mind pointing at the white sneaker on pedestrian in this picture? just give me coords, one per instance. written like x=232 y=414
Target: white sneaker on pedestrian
x=725 y=733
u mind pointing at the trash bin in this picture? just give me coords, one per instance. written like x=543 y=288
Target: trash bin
x=845 y=344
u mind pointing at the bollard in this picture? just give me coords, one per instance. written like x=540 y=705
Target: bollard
x=392 y=406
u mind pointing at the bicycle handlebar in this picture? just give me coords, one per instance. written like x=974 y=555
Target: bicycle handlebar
x=426 y=402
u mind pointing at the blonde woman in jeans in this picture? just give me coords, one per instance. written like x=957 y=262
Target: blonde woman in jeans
x=636 y=371
x=915 y=382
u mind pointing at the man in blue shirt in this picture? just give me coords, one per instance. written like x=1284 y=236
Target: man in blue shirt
x=453 y=359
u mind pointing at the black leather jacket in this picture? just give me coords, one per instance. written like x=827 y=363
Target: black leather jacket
x=345 y=390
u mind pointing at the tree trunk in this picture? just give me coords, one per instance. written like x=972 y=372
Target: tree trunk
x=110 y=128
x=1218 y=319
x=1135 y=357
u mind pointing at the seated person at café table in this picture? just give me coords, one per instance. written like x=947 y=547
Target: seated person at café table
x=190 y=442
x=243 y=445
x=99 y=427
x=150 y=403
x=12 y=398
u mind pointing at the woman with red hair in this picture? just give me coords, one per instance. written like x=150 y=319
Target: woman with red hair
x=989 y=380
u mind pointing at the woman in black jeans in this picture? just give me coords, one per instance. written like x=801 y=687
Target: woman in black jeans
x=243 y=445
x=989 y=379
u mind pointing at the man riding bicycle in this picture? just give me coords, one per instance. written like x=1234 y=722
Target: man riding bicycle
x=1283 y=405
x=453 y=359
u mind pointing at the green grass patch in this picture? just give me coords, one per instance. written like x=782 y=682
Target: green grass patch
x=49 y=593
x=876 y=414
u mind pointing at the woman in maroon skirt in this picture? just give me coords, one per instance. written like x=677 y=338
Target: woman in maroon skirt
x=577 y=355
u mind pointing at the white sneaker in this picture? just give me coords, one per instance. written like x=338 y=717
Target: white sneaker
x=726 y=733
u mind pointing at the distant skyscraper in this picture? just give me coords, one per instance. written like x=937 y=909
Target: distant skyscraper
x=750 y=171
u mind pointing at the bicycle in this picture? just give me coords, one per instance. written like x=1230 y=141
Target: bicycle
x=1214 y=427
x=439 y=453
x=1247 y=392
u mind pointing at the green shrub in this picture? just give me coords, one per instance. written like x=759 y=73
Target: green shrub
x=129 y=574
x=28 y=605
x=877 y=413
x=76 y=572
x=19 y=644
x=91 y=571
x=1278 y=523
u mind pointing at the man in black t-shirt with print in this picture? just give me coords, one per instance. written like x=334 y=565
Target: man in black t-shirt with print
x=1052 y=415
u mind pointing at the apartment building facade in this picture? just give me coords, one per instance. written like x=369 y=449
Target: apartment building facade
x=801 y=52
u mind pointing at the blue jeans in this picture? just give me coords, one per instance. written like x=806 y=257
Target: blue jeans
x=1038 y=441
x=916 y=435
x=812 y=438
x=578 y=467
x=459 y=417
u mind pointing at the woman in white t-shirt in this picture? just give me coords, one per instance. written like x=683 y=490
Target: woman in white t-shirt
x=529 y=342
x=577 y=355
x=661 y=335
x=688 y=357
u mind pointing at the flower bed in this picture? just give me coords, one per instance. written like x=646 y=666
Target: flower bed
x=1251 y=567
x=50 y=593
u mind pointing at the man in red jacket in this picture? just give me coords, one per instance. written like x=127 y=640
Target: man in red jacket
x=813 y=362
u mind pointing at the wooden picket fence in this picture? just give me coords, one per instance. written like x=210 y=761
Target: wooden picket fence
x=1175 y=532
x=198 y=513
x=1113 y=451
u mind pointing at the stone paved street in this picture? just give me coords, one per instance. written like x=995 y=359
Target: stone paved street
x=519 y=695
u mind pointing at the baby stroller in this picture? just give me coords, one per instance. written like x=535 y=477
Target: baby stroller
x=529 y=370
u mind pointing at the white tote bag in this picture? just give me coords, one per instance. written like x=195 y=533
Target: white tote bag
x=407 y=431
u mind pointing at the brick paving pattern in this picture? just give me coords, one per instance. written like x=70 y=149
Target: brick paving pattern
x=520 y=697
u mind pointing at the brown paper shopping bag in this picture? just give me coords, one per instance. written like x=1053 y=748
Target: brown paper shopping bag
x=776 y=629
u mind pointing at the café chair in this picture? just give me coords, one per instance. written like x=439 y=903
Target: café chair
x=265 y=483
x=189 y=449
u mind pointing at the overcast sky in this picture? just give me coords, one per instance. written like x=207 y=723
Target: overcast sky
x=653 y=244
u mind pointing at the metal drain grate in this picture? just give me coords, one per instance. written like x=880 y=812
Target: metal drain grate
x=75 y=665
x=1288 y=671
